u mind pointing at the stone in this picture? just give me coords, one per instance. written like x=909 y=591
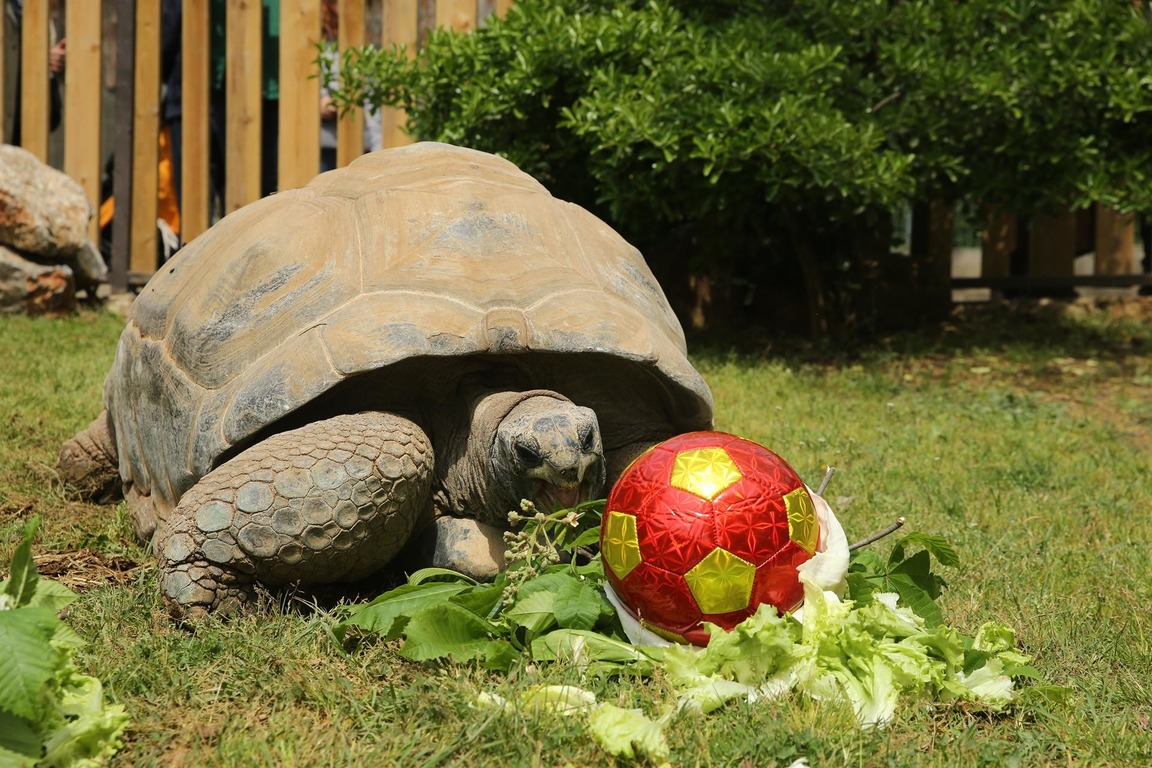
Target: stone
x=28 y=288
x=44 y=215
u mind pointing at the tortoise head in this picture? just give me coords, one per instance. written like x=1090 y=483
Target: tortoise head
x=549 y=450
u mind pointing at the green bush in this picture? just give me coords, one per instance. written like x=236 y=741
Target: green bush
x=764 y=142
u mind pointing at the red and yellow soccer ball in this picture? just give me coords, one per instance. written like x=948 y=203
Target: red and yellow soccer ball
x=706 y=526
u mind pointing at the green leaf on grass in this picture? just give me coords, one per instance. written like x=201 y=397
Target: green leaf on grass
x=53 y=594
x=581 y=646
x=20 y=585
x=481 y=600
x=586 y=538
x=918 y=568
x=447 y=630
x=387 y=613
x=578 y=604
x=27 y=660
x=944 y=553
x=916 y=598
x=439 y=574
x=535 y=611
x=628 y=733
x=17 y=736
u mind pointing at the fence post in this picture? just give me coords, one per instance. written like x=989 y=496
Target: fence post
x=1115 y=241
x=244 y=81
x=34 y=78
x=1052 y=245
x=401 y=27
x=299 y=146
x=145 y=145
x=3 y=75
x=350 y=127
x=124 y=145
x=195 y=114
x=82 y=103
x=997 y=242
x=459 y=15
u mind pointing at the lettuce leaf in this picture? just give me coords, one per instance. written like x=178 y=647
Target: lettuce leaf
x=628 y=733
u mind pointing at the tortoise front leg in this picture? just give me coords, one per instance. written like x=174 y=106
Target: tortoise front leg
x=332 y=501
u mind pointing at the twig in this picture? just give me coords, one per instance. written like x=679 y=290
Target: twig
x=878 y=535
x=824 y=483
x=884 y=102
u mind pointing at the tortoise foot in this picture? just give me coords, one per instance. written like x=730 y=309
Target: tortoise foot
x=468 y=546
x=332 y=501
x=193 y=589
x=88 y=463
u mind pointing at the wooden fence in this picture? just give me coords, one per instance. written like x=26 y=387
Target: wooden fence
x=132 y=29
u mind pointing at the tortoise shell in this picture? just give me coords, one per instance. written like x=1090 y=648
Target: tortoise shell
x=376 y=286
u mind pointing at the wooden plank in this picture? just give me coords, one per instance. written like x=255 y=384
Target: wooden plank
x=243 y=93
x=401 y=27
x=1052 y=245
x=122 y=181
x=484 y=10
x=997 y=241
x=459 y=15
x=502 y=7
x=195 y=182
x=4 y=139
x=145 y=152
x=82 y=103
x=1115 y=242
x=425 y=19
x=34 y=79
x=350 y=127
x=1027 y=284
x=299 y=146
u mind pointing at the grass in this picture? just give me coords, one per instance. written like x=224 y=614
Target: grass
x=1022 y=435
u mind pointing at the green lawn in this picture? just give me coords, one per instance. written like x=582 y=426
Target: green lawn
x=1022 y=436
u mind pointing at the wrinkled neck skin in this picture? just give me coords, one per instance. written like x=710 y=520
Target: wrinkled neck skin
x=476 y=477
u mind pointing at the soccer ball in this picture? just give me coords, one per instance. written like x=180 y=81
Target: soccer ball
x=706 y=526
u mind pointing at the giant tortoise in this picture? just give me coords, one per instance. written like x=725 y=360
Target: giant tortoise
x=400 y=351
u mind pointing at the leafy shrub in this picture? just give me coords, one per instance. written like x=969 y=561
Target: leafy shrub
x=50 y=713
x=766 y=143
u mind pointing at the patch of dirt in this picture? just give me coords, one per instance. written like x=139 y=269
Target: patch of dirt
x=84 y=569
x=13 y=507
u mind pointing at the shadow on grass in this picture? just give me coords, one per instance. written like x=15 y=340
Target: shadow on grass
x=1084 y=329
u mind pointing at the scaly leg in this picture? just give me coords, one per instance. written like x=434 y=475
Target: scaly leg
x=332 y=501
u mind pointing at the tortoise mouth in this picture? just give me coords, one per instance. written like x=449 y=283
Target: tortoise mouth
x=552 y=498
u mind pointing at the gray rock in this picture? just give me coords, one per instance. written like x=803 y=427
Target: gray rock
x=44 y=215
x=28 y=288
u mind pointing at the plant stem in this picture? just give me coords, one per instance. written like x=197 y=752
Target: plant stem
x=878 y=535
x=824 y=483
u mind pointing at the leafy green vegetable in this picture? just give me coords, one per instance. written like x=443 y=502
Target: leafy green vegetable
x=442 y=614
x=912 y=578
x=628 y=733
x=557 y=699
x=883 y=644
x=50 y=714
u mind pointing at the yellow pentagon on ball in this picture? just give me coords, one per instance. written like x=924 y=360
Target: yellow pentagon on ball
x=620 y=548
x=705 y=472
x=721 y=582
x=803 y=527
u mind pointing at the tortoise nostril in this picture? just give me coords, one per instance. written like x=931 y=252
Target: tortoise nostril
x=570 y=475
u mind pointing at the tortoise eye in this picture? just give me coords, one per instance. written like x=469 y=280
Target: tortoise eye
x=527 y=455
x=588 y=442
